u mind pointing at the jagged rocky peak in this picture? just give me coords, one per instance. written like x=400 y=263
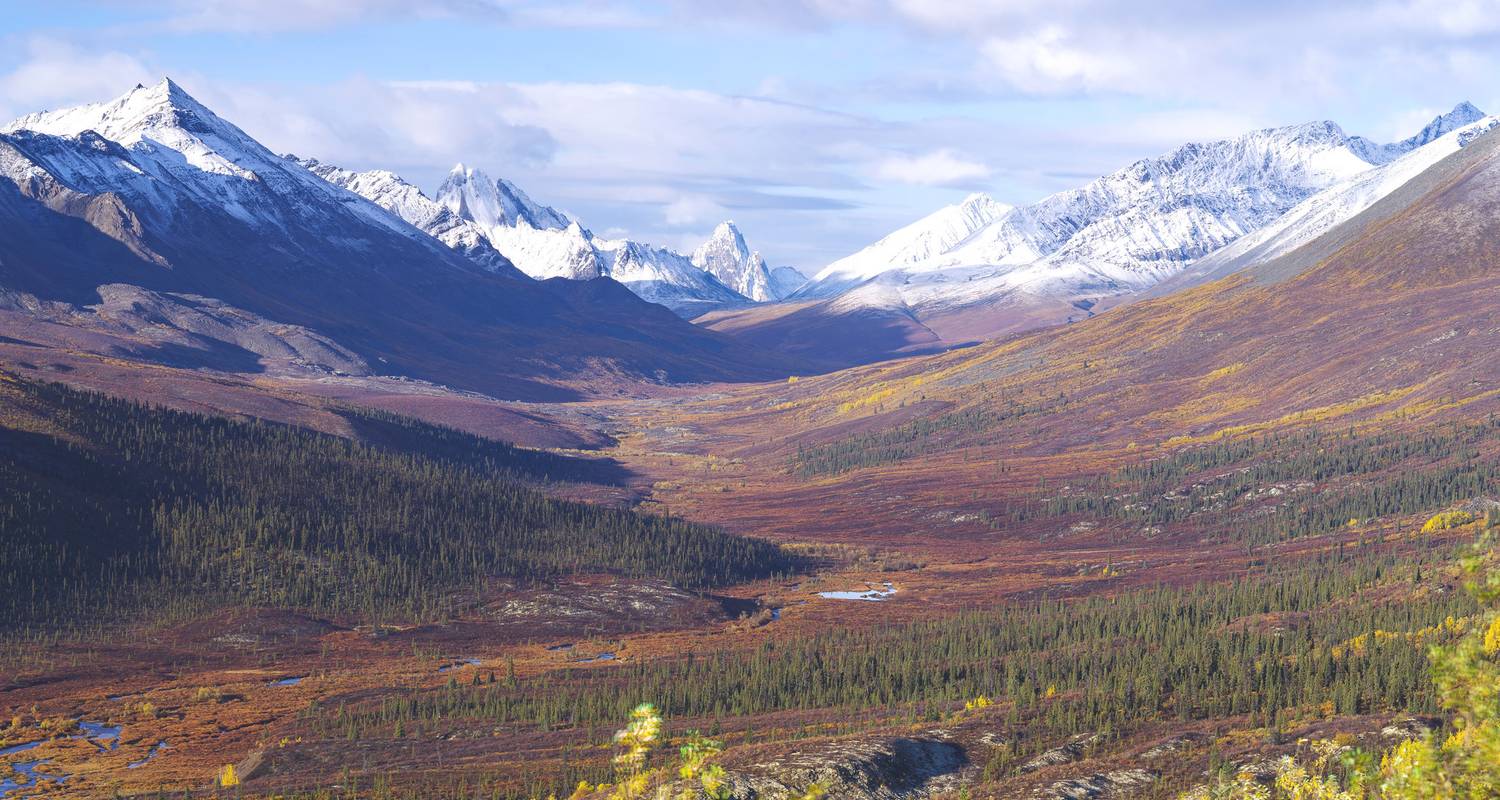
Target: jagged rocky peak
x=1462 y=114
x=394 y=194
x=726 y=257
x=489 y=202
x=725 y=241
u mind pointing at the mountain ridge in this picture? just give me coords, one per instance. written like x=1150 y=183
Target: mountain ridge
x=1143 y=223
x=182 y=203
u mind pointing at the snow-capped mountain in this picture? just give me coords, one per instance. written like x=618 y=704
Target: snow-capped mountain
x=1462 y=115
x=161 y=149
x=156 y=193
x=726 y=257
x=664 y=276
x=545 y=243
x=487 y=202
x=486 y=219
x=1121 y=233
x=541 y=241
x=493 y=221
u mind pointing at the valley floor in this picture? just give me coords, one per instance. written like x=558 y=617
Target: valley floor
x=917 y=595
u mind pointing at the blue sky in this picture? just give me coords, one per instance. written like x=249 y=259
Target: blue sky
x=818 y=125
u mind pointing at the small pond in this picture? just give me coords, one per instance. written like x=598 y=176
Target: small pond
x=870 y=594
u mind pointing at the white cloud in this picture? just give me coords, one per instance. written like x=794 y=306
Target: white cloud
x=364 y=123
x=691 y=210
x=656 y=161
x=938 y=168
x=1457 y=19
x=56 y=74
x=1049 y=60
x=1163 y=129
x=1270 y=57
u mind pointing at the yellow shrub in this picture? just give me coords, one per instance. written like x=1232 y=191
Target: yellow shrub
x=1225 y=371
x=1492 y=638
x=870 y=400
x=1447 y=520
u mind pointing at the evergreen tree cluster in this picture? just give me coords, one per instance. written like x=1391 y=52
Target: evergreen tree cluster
x=122 y=505
x=1275 y=643
x=923 y=435
x=1274 y=487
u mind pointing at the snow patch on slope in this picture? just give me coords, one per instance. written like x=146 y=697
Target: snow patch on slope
x=1344 y=200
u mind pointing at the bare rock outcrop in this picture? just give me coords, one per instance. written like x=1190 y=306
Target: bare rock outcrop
x=885 y=769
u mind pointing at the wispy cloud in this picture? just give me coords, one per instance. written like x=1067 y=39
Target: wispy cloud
x=937 y=168
x=1219 y=52
x=272 y=16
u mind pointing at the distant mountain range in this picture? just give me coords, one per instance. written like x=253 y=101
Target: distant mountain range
x=197 y=225
x=1350 y=308
x=981 y=269
x=151 y=228
x=480 y=216
x=1125 y=231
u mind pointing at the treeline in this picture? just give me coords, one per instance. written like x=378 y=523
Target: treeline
x=123 y=504
x=1266 y=646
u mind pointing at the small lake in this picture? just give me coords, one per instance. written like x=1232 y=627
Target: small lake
x=872 y=594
